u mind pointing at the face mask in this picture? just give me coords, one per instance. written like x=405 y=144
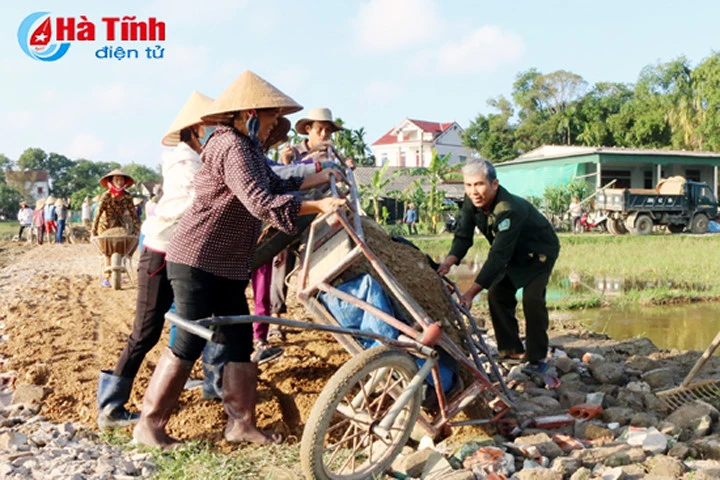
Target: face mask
x=208 y=131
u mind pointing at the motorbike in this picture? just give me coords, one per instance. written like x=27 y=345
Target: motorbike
x=587 y=223
x=450 y=224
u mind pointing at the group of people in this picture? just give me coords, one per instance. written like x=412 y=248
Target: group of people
x=49 y=216
x=218 y=188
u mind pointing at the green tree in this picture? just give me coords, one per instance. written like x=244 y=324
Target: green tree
x=5 y=165
x=492 y=135
x=351 y=143
x=600 y=103
x=142 y=173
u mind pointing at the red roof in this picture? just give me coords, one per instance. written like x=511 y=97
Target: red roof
x=435 y=128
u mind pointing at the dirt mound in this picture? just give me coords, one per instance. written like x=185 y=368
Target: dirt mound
x=63 y=329
x=411 y=269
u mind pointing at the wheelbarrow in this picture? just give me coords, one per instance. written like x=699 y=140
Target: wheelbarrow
x=116 y=257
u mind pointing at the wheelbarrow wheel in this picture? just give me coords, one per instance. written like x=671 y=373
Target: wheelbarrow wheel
x=116 y=273
x=340 y=440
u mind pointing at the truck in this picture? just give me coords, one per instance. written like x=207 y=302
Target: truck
x=676 y=203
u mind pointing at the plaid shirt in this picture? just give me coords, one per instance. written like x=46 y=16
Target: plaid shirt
x=234 y=190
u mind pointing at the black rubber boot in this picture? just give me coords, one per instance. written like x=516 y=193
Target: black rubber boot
x=112 y=395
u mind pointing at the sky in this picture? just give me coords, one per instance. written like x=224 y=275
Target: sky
x=373 y=62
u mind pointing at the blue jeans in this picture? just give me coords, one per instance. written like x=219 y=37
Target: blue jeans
x=60 y=230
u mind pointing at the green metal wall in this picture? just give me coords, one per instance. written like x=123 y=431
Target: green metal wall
x=531 y=182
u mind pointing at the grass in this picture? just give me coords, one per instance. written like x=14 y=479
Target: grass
x=8 y=230
x=662 y=268
x=201 y=460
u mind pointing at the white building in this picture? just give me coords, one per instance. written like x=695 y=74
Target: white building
x=410 y=144
x=30 y=183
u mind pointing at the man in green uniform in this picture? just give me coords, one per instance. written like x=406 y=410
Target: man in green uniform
x=523 y=250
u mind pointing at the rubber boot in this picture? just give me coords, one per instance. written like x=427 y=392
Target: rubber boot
x=161 y=398
x=239 y=399
x=112 y=395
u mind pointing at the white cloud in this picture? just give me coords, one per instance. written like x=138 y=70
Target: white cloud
x=380 y=92
x=483 y=50
x=389 y=25
x=84 y=145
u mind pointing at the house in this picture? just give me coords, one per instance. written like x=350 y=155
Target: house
x=30 y=183
x=410 y=144
x=552 y=165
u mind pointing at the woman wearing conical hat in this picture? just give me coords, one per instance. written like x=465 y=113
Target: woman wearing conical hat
x=210 y=253
x=155 y=295
x=115 y=203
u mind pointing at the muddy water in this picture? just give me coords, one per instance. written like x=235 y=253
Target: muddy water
x=684 y=327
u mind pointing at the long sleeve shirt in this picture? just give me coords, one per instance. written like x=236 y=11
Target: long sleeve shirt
x=234 y=190
x=111 y=211
x=178 y=169
x=523 y=243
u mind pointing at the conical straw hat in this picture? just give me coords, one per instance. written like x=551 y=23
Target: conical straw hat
x=129 y=181
x=40 y=203
x=249 y=91
x=191 y=114
x=278 y=134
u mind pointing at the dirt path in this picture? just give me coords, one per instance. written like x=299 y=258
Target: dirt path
x=55 y=314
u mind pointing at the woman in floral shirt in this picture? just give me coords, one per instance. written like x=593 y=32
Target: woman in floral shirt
x=115 y=204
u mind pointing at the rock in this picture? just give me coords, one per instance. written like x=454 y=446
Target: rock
x=681 y=451
x=565 y=365
x=702 y=426
x=660 y=378
x=687 y=416
x=653 y=403
x=702 y=469
x=593 y=432
x=593 y=456
x=414 y=464
x=460 y=475
x=650 y=439
x=547 y=405
x=708 y=447
x=621 y=415
x=634 y=400
x=571 y=398
x=644 y=420
x=566 y=466
x=625 y=457
x=607 y=372
x=638 y=387
x=28 y=394
x=436 y=467
x=582 y=474
x=615 y=473
x=642 y=363
x=664 y=465
x=537 y=474
x=542 y=442
x=12 y=440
